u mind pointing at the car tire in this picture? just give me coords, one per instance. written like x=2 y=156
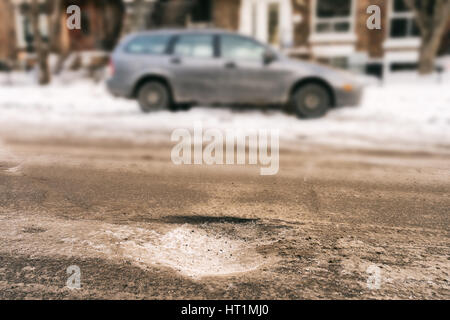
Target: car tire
x=311 y=101
x=154 y=96
x=183 y=107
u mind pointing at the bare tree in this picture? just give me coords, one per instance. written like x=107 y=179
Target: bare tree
x=431 y=17
x=41 y=47
x=140 y=15
x=112 y=22
x=7 y=31
x=55 y=25
x=55 y=37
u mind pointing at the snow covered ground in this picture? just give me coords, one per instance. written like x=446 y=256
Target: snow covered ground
x=412 y=115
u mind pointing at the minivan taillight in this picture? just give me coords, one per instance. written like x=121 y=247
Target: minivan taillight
x=111 y=68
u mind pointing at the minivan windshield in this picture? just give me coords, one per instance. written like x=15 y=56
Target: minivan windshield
x=240 y=48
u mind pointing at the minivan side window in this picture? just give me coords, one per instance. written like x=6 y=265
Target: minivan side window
x=240 y=48
x=197 y=46
x=154 y=44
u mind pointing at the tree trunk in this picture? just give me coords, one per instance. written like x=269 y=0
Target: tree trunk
x=41 y=48
x=55 y=37
x=55 y=26
x=112 y=22
x=428 y=51
x=431 y=17
x=7 y=31
x=141 y=18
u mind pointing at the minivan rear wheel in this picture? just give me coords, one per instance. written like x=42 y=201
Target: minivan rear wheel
x=311 y=101
x=154 y=96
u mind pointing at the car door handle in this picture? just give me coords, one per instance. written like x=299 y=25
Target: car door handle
x=230 y=65
x=175 y=60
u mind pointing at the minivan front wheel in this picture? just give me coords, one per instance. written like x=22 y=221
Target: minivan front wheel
x=154 y=96
x=311 y=101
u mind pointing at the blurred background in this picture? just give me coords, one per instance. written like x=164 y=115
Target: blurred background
x=332 y=32
x=408 y=60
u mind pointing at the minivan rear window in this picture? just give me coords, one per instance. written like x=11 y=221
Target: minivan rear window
x=155 y=44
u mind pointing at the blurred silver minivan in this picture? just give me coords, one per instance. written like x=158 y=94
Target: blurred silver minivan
x=174 y=69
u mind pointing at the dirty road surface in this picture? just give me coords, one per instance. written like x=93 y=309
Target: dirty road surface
x=333 y=224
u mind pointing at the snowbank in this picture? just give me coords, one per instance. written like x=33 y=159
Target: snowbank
x=412 y=115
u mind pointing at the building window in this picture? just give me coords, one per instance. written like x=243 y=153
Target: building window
x=333 y=16
x=201 y=11
x=402 y=22
x=25 y=28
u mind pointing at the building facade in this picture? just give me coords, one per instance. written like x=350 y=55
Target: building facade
x=329 y=31
x=335 y=32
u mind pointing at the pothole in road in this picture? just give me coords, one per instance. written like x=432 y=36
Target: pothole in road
x=193 y=250
x=195 y=253
x=195 y=220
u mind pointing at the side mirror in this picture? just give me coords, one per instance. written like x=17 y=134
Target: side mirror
x=269 y=57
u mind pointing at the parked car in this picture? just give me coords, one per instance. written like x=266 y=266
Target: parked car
x=169 y=69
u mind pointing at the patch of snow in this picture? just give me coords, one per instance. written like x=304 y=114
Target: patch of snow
x=410 y=115
x=10 y=162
